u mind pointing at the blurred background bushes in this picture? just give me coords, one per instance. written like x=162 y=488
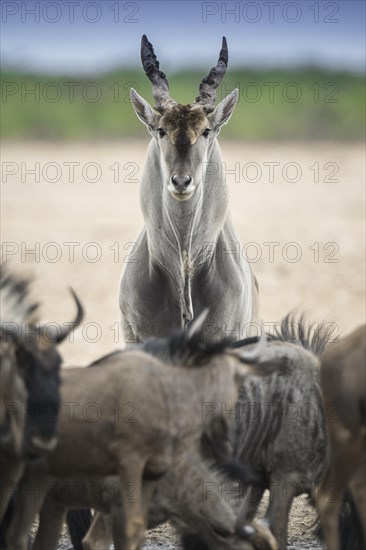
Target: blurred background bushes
x=302 y=104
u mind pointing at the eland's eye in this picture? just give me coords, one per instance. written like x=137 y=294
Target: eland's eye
x=161 y=132
x=206 y=132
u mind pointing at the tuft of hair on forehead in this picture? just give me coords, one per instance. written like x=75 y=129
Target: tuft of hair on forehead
x=184 y=116
x=184 y=124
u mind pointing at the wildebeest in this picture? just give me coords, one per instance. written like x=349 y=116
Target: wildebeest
x=187 y=257
x=146 y=410
x=343 y=382
x=191 y=495
x=29 y=373
x=278 y=427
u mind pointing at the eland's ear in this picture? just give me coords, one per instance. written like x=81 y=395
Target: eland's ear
x=224 y=110
x=142 y=108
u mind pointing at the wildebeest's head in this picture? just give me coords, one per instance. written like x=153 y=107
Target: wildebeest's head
x=30 y=371
x=183 y=133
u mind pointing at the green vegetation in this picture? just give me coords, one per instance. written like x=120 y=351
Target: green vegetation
x=280 y=104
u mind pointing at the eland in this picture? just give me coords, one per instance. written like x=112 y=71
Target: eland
x=184 y=257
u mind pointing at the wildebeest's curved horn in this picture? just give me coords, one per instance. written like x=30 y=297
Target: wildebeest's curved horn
x=241 y=530
x=211 y=82
x=258 y=535
x=157 y=77
x=70 y=326
x=55 y=334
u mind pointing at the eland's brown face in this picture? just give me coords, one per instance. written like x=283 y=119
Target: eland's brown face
x=183 y=133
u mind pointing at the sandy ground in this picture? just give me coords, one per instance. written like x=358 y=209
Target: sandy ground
x=301 y=531
x=298 y=209
x=301 y=536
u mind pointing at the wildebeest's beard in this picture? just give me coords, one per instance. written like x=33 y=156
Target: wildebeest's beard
x=41 y=373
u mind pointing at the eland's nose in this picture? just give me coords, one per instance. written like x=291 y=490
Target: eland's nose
x=181 y=182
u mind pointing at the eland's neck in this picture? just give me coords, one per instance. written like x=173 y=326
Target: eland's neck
x=183 y=229
x=182 y=235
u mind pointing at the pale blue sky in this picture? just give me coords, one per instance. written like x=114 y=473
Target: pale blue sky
x=61 y=37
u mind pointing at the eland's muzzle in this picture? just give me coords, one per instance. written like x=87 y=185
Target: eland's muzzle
x=181 y=183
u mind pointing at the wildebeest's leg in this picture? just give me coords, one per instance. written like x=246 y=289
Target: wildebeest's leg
x=254 y=501
x=148 y=490
x=10 y=474
x=128 y=523
x=51 y=519
x=5 y=522
x=31 y=493
x=99 y=535
x=358 y=490
x=330 y=498
x=78 y=523
x=282 y=494
x=335 y=481
x=190 y=541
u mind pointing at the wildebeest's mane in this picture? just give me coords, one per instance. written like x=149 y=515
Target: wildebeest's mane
x=185 y=348
x=296 y=329
x=248 y=341
x=190 y=349
x=311 y=336
x=181 y=348
x=15 y=303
